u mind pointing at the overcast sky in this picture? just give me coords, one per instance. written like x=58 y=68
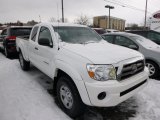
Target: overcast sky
x=25 y=10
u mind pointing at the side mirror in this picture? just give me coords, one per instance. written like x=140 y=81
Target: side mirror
x=134 y=47
x=45 y=42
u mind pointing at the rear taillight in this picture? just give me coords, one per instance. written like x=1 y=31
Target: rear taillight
x=11 y=38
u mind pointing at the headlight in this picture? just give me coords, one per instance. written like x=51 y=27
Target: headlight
x=101 y=72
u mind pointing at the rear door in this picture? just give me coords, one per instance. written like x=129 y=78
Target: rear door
x=154 y=36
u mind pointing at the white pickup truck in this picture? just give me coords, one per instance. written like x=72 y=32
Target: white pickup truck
x=86 y=70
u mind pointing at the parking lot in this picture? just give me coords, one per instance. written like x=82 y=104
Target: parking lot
x=28 y=96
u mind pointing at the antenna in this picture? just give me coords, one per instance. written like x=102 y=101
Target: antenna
x=58 y=24
x=57 y=13
x=39 y=18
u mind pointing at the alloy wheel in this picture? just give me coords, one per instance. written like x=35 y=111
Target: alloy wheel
x=66 y=97
x=151 y=68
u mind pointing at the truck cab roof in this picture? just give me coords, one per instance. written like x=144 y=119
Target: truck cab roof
x=61 y=24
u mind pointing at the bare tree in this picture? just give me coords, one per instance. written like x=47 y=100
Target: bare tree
x=65 y=20
x=52 y=19
x=83 y=20
x=32 y=22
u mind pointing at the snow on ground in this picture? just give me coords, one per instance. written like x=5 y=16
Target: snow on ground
x=24 y=96
x=149 y=102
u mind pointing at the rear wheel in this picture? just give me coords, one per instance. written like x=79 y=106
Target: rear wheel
x=25 y=65
x=7 y=54
x=69 y=98
x=153 y=69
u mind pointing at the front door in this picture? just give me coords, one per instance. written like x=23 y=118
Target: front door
x=46 y=54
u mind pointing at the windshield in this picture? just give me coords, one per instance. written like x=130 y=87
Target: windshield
x=144 y=42
x=79 y=35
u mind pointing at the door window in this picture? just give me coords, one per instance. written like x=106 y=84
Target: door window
x=4 y=32
x=34 y=33
x=109 y=38
x=45 y=34
x=123 y=41
x=154 y=36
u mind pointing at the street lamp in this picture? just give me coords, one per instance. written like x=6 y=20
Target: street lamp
x=109 y=7
x=62 y=12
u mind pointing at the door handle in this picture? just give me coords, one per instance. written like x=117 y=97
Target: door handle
x=36 y=48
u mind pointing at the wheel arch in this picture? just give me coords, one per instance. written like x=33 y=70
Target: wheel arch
x=154 y=61
x=76 y=79
x=24 y=56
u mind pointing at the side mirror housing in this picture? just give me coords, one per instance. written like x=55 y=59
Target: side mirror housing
x=45 y=42
x=134 y=47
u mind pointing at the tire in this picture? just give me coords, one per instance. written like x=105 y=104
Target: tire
x=153 y=69
x=25 y=65
x=69 y=98
x=7 y=54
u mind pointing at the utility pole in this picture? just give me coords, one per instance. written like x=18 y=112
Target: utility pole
x=145 y=21
x=62 y=12
x=109 y=7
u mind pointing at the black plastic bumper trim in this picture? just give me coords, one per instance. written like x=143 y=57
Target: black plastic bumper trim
x=132 y=88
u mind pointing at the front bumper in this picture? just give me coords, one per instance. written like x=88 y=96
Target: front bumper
x=116 y=91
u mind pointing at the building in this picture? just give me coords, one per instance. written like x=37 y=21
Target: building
x=154 y=21
x=103 y=22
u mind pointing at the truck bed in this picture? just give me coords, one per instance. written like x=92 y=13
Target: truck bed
x=26 y=37
x=22 y=45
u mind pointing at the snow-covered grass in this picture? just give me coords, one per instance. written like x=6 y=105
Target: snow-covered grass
x=24 y=96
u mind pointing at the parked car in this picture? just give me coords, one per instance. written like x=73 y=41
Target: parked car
x=99 y=30
x=149 y=49
x=86 y=70
x=150 y=34
x=8 y=38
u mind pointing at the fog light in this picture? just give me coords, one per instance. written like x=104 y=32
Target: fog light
x=101 y=95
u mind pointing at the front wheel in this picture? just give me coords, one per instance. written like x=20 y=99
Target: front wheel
x=25 y=65
x=69 y=98
x=153 y=69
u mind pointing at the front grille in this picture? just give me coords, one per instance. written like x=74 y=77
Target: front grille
x=131 y=69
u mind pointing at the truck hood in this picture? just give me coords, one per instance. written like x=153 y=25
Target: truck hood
x=102 y=52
